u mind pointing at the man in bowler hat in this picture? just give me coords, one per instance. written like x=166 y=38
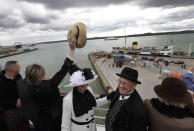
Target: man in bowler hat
x=127 y=111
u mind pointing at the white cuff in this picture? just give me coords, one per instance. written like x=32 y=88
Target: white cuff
x=70 y=58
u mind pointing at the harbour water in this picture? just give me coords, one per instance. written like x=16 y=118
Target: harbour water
x=51 y=56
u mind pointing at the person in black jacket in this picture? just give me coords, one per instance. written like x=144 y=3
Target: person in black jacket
x=127 y=111
x=9 y=97
x=8 y=90
x=40 y=98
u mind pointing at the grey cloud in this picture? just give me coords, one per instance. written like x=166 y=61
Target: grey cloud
x=40 y=20
x=174 y=17
x=62 y=4
x=170 y=28
x=165 y=3
x=113 y=26
x=7 y=22
x=55 y=27
x=35 y=18
x=181 y=15
x=166 y=27
x=96 y=28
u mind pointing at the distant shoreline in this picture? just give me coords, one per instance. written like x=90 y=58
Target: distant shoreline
x=17 y=53
x=135 y=35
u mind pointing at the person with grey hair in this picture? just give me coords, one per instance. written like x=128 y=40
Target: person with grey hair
x=9 y=97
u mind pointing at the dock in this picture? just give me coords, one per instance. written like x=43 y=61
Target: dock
x=17 y=53
x=149 y=76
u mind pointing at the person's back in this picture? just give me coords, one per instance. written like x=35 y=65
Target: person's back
x=40 y=98
x=161 y=122
x=29 y=106
x=171 y=111
x=9 y=99
x=8 y=93
x=41 y=103
x=8 y=89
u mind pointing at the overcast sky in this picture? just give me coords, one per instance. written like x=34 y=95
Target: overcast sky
x=46 y=20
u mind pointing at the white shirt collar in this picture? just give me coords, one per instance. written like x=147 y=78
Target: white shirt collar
x=189 y=71
x=127 y=96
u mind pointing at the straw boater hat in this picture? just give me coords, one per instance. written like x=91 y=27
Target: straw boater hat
x=173 y=90
x=82 y=77
x=78 y=31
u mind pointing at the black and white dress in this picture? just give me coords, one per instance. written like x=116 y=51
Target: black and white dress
x=78 y=111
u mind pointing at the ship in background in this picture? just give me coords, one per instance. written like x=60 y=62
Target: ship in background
x=110 y=38
x=167 y=50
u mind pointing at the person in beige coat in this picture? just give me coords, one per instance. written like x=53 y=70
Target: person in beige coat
x=173 y=109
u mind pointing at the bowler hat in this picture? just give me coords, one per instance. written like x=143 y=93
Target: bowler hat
x=129 y=74
x=173 y=90
x=78 y=31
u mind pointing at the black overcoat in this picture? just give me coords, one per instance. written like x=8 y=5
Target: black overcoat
x=47 y=97
x=133 y=116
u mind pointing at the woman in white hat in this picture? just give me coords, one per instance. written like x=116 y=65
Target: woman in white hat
x=78 y=105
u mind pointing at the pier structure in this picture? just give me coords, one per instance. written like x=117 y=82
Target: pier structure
x=149 y=76
x=107 y=86
x=17 y=52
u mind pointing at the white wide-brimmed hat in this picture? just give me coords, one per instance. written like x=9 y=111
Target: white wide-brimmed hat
x=78 y=31
x=81 y=77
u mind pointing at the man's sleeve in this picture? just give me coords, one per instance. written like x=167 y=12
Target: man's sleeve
x=188 y=79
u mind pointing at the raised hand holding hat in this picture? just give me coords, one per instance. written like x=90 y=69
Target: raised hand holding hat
x=78 y=31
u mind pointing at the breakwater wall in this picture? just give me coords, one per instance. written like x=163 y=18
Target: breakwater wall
x=17 y=53
x=108 y=88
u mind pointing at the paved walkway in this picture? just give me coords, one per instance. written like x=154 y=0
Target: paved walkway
x=149 y=76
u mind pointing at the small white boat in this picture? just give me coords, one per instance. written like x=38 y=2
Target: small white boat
x=147 y=50
x=167 y=50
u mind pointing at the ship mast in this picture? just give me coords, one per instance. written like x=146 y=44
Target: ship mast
x=125 y=35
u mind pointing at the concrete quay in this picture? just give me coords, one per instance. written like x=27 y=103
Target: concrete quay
x=17 y=53
x=149 y=76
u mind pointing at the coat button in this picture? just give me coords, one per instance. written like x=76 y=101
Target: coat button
x=91 y=115
x=88 y=126
x=87 y=119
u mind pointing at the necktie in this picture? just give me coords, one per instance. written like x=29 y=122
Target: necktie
x=123 y=95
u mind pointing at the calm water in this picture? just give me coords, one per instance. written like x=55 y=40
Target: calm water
x=52 y=56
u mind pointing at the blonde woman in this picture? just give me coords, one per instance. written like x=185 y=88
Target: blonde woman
x=40 y=98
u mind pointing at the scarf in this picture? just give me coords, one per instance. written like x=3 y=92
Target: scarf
x=82 y=103
x=171 y=111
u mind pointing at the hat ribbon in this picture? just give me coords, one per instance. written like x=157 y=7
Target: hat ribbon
x=77 y=34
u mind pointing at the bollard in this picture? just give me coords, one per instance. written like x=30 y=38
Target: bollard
x=160 y=68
